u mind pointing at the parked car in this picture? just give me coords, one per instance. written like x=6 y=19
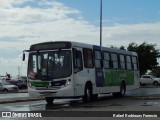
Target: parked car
x=21 y=84
x=4 y=78
x=149 y=80
x=7 y=87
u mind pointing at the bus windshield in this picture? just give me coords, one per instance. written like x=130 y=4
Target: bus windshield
x=49 y=65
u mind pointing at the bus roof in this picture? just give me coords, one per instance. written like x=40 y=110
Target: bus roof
x=68 y=44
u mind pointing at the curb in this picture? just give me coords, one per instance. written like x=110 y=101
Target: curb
x=22 y=91
x=148 y=97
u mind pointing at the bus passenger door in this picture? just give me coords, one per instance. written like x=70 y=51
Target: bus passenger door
x=77 y=71
x=85 y=73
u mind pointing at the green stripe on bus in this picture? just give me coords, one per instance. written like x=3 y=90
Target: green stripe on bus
x=114 y=77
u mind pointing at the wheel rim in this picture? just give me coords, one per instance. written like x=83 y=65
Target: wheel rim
x=88 y=93
x=123 y=91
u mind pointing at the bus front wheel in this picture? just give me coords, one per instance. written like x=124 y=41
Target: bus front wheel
x=87 y=93
x=49 y=100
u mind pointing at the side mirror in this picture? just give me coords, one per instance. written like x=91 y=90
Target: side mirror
x=23 y=56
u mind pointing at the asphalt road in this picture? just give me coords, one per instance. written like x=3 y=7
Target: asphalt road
x=143 y=99
x=104 y=104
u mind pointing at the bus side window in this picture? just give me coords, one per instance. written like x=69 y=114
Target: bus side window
x=122 y=62
x=128 y=62
x=88 y=58
x=78 y=66
x=106 y=60
x=98 y=59
x=134 y=63
x=114 y=58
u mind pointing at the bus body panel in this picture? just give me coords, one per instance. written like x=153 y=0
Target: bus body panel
x=66 y=91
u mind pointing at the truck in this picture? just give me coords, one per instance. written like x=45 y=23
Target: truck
x=149 y=80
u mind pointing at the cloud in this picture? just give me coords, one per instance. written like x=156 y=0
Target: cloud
x=11 y=65
x=18 y=12
x=137 y=33
x=25 y=22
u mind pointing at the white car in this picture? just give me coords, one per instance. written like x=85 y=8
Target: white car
x=7 y=87
x=149 y=80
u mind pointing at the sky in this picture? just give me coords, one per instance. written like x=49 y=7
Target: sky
x=25 y=22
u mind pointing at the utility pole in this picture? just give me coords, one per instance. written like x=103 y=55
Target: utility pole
x=100 y=22
x=18 y=72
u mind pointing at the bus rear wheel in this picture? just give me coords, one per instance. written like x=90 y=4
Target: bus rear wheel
x=49 y=100
x=122 y=91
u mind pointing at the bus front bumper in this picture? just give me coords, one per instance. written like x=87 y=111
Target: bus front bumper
x=63 y=92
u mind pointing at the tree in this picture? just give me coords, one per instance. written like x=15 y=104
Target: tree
x=147 y=56
x=155 y=71
x=122 y=48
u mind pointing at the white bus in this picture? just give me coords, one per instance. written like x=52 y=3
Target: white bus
x=72 y=70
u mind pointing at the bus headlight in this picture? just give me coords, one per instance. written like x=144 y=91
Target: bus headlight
x=68 y=81
x=29 y=85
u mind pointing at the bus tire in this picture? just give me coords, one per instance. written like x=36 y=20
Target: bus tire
x=49 y=100
x=94 y=97
x=87 y=93
x=122 y=91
